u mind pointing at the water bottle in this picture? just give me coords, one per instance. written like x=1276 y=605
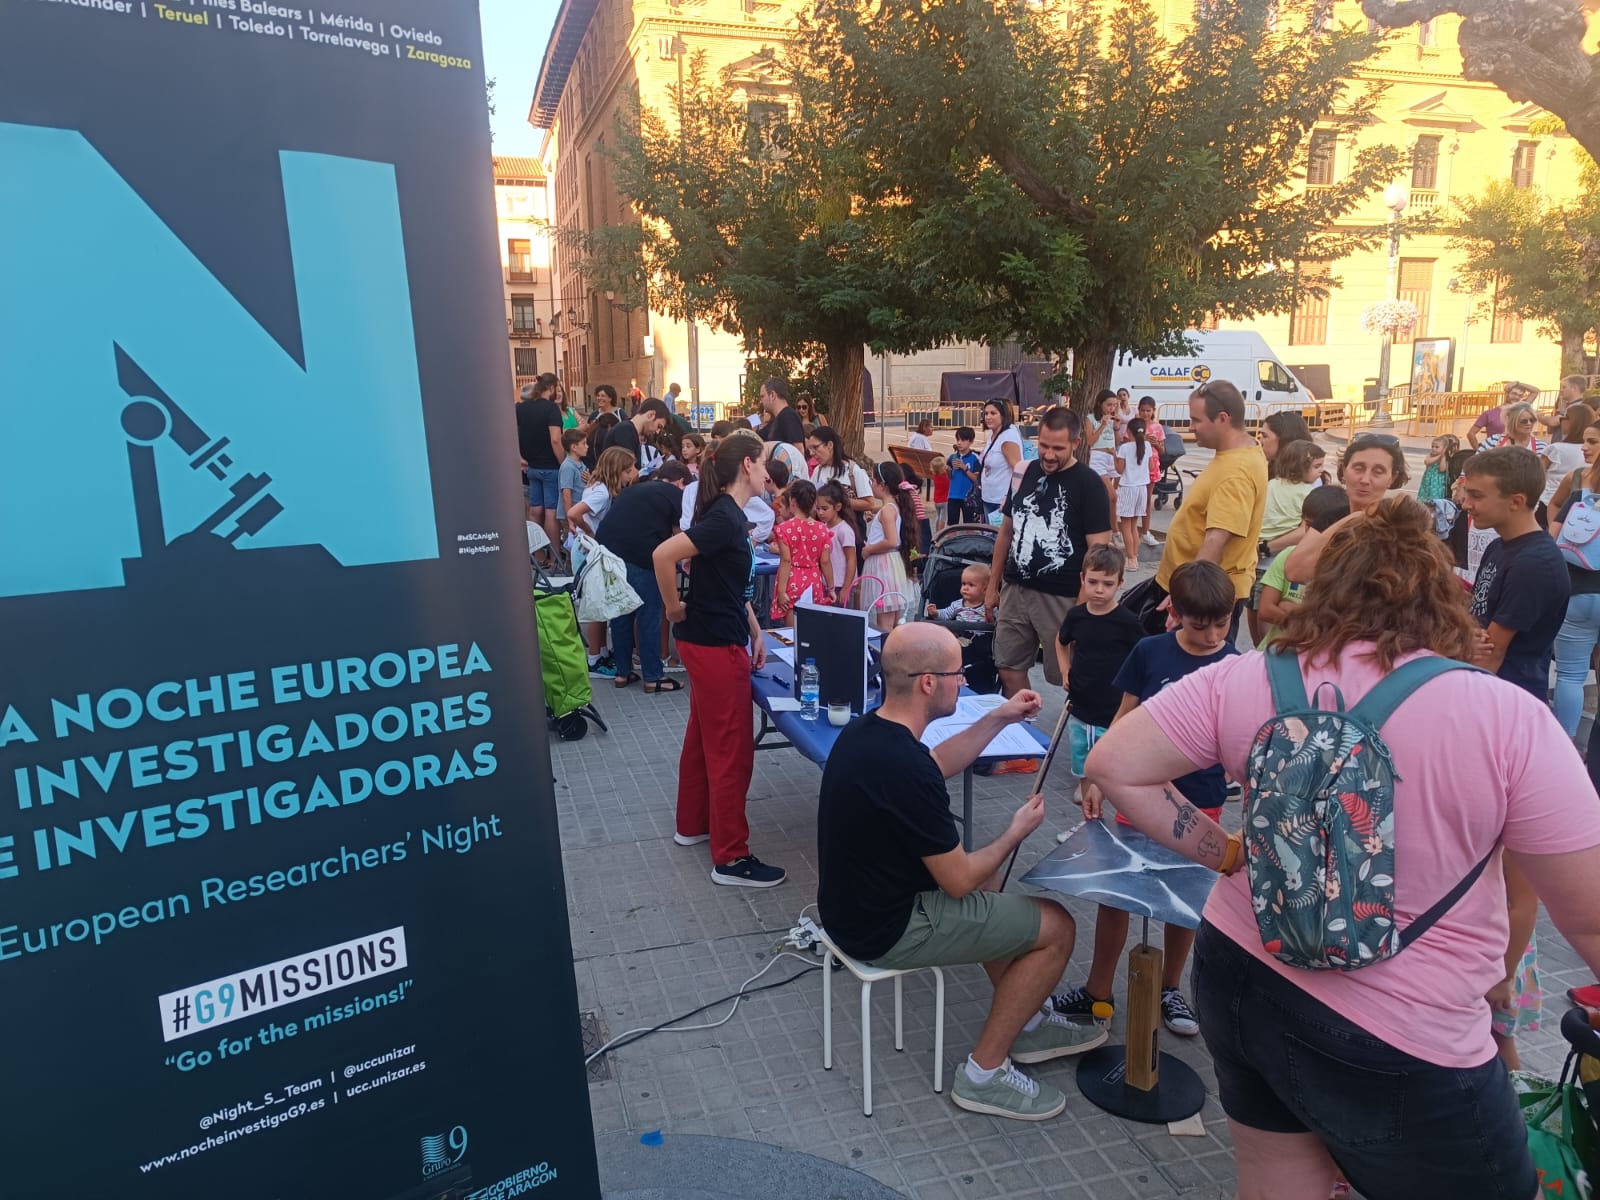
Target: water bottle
x=810 y=688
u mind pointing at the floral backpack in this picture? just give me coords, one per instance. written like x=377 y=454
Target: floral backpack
x=1319 y=823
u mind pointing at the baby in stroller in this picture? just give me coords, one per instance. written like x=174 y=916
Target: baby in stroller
x=968 y=606
x=954 y=577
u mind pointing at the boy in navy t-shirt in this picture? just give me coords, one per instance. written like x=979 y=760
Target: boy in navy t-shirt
x=963 y=466
x=1202 y=603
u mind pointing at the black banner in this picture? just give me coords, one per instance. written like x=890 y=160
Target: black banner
x=281 y=904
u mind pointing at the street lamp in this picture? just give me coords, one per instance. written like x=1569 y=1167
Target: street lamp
x=1394 y=199
x=674 y=49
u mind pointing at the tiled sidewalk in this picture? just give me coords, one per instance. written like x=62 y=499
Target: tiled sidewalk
x=653 y=938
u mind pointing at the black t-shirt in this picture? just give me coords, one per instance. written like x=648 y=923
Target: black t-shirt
x=1100 y=645
x=1522 y=585
x=719 y=577
x=535 y=419
x=883 y=809
x=640 y=518
x=625 y=435
x=785 y=427
x=1156 y=662
x=1052 y=516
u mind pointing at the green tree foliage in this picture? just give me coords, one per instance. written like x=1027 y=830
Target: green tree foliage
x=1101 y=186
x=1539 y=259
x=753 y=217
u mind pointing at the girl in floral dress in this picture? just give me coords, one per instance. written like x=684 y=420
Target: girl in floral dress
x=805 y=561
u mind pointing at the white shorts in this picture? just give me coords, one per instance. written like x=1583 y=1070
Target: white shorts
x=1131 y=500
x=1103 y=462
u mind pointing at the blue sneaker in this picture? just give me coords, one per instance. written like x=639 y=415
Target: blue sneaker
x=603 y=668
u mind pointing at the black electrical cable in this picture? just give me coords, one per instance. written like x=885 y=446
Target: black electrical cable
x=629 y=1039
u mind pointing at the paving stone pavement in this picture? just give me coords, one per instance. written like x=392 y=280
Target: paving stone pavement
x=654 y=938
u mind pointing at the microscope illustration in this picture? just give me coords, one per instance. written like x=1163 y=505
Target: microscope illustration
x=151 y=417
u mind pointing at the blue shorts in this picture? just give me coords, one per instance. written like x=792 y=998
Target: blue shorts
x=1397 y=1126
x=1082 y=736
x=543 y=488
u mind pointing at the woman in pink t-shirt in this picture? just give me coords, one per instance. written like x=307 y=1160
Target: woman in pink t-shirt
x=1388 y=1071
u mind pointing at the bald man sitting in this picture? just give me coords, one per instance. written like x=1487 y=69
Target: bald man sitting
x=898 y=890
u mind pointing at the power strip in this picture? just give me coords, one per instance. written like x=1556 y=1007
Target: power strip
x=805 y=936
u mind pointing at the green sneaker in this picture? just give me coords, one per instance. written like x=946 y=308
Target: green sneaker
x=1056 y=1037
x=1009 y=1094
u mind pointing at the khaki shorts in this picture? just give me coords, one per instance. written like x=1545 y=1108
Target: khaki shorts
x=1028 y=622
x=980 y=927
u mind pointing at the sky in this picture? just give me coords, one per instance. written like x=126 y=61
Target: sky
x=515 y=33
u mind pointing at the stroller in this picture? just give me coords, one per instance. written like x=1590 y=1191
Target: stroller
x=1170 y=485
x=954 y=550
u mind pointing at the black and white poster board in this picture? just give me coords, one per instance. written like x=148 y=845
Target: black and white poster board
x=281 y=900
x=837 y=639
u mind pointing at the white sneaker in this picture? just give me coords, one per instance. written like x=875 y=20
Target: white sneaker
x=1149 y=539
x=691 y=839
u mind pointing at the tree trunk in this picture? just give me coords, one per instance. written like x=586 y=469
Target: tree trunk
x=846 y=367
x=1573 y=360
x=1091 y=372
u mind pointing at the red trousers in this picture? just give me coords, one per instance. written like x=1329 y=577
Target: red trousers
x=719 y=749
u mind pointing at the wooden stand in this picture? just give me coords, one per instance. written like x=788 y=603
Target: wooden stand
x=1127 y=1080
x=1144 y=1016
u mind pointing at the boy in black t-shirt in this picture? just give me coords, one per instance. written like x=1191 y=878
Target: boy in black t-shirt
x=1521 y=592
x=1202 y=603
x=1095 y=639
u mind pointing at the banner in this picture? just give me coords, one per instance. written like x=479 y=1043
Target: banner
x=281 y=902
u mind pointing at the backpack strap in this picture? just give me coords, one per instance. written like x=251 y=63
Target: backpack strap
x=1425 y=922
x=1288 y=686
x=1378 y=705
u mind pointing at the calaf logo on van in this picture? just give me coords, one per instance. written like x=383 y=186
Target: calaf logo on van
x=1199 y=373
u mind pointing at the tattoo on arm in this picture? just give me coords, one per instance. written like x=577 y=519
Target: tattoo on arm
x=1211 y=844
x=1183 y=814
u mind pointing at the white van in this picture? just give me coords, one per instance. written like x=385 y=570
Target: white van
x=1241 y=357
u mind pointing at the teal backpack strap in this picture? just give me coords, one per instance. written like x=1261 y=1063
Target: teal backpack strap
x=1378 y=705
x=1288 y=687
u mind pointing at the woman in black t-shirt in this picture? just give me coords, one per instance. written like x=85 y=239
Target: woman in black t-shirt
x=719 y=639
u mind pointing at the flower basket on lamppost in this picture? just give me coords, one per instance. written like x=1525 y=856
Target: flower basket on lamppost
x=1393 y=319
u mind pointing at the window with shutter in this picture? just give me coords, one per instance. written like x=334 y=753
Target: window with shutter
x=1416 y=285
x=1505 y=325
x=1308 y=321
x=1425 y=164
x=1319 y=165
x=1522 y=160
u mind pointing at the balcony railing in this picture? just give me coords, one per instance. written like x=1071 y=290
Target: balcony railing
x=1424 y=200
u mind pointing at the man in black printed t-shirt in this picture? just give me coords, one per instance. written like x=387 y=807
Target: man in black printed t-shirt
x=896 y=888
x=1058 y=511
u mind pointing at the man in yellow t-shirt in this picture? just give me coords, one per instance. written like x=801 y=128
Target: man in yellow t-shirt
x=1220 y=520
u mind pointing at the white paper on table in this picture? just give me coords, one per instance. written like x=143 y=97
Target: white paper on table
x=784 y=654
x=783 y=704
x=1010 y=742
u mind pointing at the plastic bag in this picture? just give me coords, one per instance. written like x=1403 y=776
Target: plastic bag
x=603 y=590
x=1561 y=1136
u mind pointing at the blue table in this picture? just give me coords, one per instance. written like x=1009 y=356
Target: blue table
x=815 y=739
x=765 y=578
